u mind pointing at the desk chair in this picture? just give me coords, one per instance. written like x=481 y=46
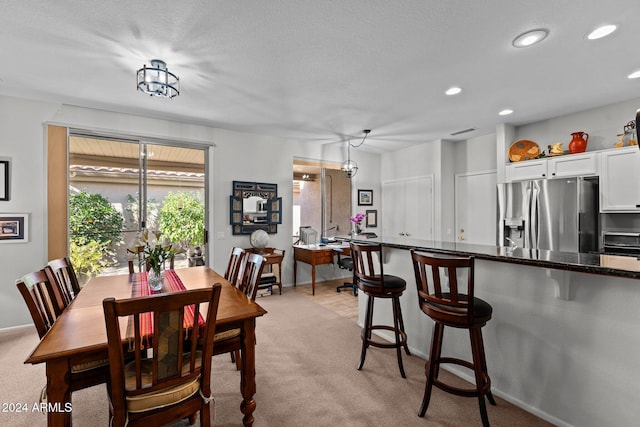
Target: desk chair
x=174 y=382
x=37 y=290
x=346 y=263
x=371 y=280
x=458 y=308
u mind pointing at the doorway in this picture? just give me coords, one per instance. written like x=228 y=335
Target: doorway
x=119 y=186
x=321 y=198
x=476 y=207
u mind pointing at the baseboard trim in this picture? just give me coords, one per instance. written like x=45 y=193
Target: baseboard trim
x=467 y=377
x=14 y=329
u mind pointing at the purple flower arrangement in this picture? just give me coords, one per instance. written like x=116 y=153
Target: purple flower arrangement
x=357 y=220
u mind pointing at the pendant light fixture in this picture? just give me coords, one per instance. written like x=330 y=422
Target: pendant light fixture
x=350 y=168
x=156 y=80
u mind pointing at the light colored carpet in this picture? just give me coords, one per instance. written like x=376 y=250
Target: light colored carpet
x=306 y=361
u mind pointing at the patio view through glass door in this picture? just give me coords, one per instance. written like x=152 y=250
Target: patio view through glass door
x=118 y=187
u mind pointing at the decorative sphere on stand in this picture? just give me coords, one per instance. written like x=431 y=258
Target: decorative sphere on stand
x=259 y=240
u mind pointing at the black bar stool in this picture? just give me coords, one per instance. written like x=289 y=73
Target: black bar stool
x=458 y=308
x=375 y=284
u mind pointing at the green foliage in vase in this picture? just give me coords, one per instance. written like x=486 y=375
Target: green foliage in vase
x=156 y=251
x=181 y=218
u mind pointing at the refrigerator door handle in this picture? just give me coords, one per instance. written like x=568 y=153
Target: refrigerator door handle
x=535 y=220
x=526 y=212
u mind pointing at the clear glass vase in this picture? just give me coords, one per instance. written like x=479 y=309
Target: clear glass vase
x=155 y=279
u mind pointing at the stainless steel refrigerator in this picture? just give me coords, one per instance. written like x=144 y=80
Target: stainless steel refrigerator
x=554 y=214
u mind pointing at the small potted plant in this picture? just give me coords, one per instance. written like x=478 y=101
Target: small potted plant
x=357 y=221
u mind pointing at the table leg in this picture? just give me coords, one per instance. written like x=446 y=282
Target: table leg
x=248 y=371
x=58 y=393
x=295 y=270
x=313 y=279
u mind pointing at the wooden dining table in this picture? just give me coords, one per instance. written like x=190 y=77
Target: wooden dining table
x=79 y=335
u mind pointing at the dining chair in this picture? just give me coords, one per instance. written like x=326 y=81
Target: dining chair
x=233 y=266
x=136 y=259
x=370 y=279
x=66 y=280
x=173 y=381
x=137 y=262
x=448 y=299
x=37 y=289
x=248 y=282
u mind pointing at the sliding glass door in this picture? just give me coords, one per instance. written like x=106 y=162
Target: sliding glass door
x=118 y=187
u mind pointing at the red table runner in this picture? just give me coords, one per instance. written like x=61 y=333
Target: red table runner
x=140 y=287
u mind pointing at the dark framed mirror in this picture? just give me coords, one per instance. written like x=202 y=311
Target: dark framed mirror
x=255 y=206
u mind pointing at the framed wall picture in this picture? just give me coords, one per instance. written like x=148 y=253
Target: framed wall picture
x=14 y=228
x=4 y=179
x=372 y=218
x=365 y=197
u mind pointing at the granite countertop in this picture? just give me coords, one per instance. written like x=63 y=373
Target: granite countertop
x=610 y=265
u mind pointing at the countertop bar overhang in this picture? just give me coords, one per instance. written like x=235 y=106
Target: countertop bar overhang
x=609 y=265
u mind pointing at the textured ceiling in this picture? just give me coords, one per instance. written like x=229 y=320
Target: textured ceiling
x=320 y=70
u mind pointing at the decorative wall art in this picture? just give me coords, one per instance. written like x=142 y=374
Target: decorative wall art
x=14 y=228
x=365 y=197
x=372 y=218
x=255 y=206
x=4 y=180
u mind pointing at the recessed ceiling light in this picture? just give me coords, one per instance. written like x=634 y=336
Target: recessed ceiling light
x=453 y=90
x=601 y=32
x=505 y=112
x=530 y=38
x=634 y=75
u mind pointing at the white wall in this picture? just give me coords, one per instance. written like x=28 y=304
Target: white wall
x=443 y=159
x=571 y=362
x=602 y=124
x=237 y=156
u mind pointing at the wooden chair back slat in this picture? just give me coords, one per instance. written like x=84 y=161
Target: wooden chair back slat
x=367 y=262
x=453 y=303
x=249 y=280
x=170 y=338
x=235 y=262
x=41 y=298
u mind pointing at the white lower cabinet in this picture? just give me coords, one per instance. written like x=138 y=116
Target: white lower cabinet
x=620 y=180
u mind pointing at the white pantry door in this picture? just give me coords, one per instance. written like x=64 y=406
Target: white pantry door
x=476 y=207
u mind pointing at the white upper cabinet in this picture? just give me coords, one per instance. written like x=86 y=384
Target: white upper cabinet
x=570 y=165
x=620 y=180
x=584 y=164
x=529 y=169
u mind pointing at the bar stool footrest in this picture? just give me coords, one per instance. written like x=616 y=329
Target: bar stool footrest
x=481 y=389
x=385 y=344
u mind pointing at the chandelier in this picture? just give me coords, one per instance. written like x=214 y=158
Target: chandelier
x=156 y=80
x=350 y=168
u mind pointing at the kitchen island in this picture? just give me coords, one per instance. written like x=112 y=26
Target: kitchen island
x=563 y=342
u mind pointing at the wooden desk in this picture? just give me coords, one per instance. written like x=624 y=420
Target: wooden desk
x=314 y=255
x=79 y=334
x=274 y=257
